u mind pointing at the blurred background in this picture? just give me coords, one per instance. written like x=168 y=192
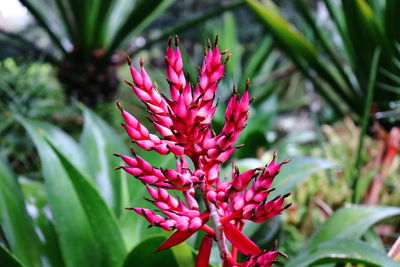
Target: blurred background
x=326 y=77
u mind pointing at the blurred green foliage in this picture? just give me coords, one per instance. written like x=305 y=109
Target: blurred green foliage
x=335 y=52
x=72 y=212
x=30 y=90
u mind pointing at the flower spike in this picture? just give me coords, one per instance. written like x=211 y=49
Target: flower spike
x=184 y=125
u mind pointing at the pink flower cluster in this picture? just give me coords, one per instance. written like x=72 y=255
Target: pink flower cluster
x=183 y=122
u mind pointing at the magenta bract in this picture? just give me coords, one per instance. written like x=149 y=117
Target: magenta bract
x=183 y=122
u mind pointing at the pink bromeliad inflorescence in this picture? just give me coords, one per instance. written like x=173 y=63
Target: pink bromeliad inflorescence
x=184 y=125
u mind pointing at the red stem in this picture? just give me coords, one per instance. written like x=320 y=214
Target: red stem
x=208 y=229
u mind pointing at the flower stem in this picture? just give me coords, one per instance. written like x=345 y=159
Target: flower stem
x=219 y=235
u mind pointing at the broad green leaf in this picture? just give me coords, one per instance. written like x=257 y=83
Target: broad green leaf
x=101 y=218
x=14 y=220
x=68 y=145
x=144 y=254
x=373 y=239
x=7 y=259
x=342 y=251
x=39 y=210
x=351 y=222
x=295 y=171
x=183 y=255
x=100 y=141
x=77 y=240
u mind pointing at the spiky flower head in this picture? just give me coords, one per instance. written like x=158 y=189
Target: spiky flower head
x=184 y=124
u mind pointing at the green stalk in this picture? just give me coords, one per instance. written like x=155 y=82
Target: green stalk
x=364 y=122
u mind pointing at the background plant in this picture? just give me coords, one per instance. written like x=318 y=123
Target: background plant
x=86 y=38
x=28 y=89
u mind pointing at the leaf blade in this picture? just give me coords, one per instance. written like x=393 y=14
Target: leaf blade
x=342 y=251
x=15 y=221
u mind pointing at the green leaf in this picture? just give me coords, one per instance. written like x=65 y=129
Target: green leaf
x=140 y=17
x=101 y=219
x=351 y=222
x=7 y=259
x=36 y=198
x=257 y=58
x=68 y=145
x=15 y=222
x=342 y=251
x=144 y=254
x=303 y=53
x=183 y=255
x=191 y=22
x=41 y=18
x=373 y=239
x=297 y=170
x=77 y=240
x=228 y=40
x=100 y=141
x=364 y=123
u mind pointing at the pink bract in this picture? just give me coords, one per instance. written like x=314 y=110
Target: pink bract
x=184 y=124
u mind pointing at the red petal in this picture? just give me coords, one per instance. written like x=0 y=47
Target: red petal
x=239 y=240
x=204 y=252
x=180 y=236
x=176 y=238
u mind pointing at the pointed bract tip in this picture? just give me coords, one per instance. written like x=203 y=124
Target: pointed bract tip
x=286 y=195
x=176 y=40
x=117 y=155
x=225 y=51
x=119 y=106
x=283 y=254
x=169 y=41
x=247 y=84
x=141 y=62
x=227 y=58
x=118 y=168
x=287 y=206
x=216 y=40
x=209 y=44
x=275 y=245
x=274 y=155
x=240 y=146
x=149 y=119
x=286 y=161
x=270 y=190
x=128 y=59
x=234 y=89
x=133 y=151
x=128 y=83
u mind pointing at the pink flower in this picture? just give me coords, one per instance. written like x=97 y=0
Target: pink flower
x=183 y=122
